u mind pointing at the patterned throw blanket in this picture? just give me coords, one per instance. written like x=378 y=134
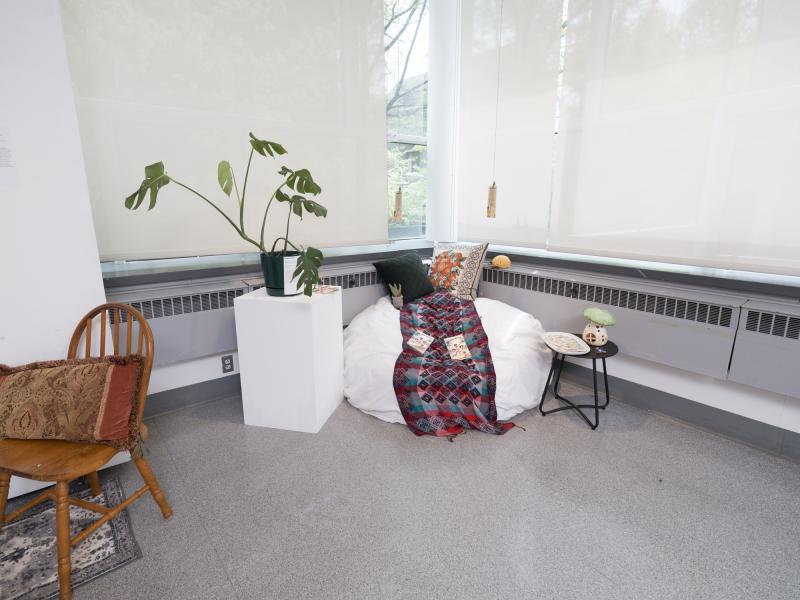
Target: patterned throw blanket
x=439 y=395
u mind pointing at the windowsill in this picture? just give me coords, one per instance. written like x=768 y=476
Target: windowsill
x=139 y=272
x=765 y=283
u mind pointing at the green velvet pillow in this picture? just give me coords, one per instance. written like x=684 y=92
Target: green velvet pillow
x=409 y=272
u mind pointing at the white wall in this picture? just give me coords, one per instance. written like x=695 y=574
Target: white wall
x=48 y=254
x=189 y=372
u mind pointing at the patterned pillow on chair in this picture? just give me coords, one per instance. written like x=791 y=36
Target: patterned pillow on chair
x=79 y=400
x=457 y=267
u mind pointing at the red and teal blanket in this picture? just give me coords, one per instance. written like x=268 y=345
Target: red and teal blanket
x=439 y=395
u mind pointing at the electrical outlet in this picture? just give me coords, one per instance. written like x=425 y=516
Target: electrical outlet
x=227 y=363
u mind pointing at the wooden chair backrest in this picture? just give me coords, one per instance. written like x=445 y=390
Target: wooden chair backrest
x=130 y=334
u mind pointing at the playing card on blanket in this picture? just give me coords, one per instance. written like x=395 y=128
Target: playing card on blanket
x=457 y=347
x=420 y=341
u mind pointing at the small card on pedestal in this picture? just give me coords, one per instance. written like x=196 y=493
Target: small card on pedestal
x=290 y=288
x=325 y=289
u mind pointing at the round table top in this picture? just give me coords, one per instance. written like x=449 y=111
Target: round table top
x=607 y=350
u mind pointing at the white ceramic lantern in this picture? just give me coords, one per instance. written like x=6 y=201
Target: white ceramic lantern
x=595 y=334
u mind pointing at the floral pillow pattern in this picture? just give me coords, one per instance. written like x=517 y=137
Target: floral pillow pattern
x=457 y=268
x=445 y=270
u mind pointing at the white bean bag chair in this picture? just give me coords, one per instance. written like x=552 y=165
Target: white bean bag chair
x=372 y=343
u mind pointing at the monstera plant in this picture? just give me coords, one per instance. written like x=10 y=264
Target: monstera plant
x=281 y=265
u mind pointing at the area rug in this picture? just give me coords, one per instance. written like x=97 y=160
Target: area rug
x=28 y=553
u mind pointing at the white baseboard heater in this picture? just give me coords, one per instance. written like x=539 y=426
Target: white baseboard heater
x=194 y=319
x=725 y=335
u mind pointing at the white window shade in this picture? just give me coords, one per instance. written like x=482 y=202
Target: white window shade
x=519 y=107
x=679 y=133
x=185 y=81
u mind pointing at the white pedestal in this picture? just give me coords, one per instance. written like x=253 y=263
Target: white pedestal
x=291 y=359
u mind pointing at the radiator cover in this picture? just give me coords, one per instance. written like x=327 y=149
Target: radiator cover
x=670 y=325
x=194 y=319
x=767 y=352
x=723 y=335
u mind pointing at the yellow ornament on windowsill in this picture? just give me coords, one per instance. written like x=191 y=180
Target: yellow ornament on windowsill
x=501 y=261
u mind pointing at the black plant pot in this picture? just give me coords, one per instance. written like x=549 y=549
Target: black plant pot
x=275 y=268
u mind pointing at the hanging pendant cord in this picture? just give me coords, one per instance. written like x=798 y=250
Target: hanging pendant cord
x=497 y=94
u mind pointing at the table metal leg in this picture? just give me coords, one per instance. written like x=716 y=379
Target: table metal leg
x=594 y=387
x=547 y=383
x=558 y=375
x=569 y=404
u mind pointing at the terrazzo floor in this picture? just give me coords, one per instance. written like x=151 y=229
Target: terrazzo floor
x=644 y=507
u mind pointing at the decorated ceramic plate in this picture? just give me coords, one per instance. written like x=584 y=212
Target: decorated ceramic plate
x=565 y=343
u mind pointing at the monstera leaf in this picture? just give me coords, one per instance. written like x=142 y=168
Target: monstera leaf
x=225 y=177
x=154 y=179
x=307 y=271
x=263 y=147
x=315 y=208
x=300 y=181
x=300 y=203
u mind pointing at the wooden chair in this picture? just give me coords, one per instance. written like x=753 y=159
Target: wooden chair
x=61 y=461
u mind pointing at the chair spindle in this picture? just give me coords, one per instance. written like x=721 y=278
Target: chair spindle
x=88 y=335
x=116 y=331
x=128 y=337
x=103 y=333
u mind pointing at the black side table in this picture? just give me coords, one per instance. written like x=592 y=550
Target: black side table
x=596 y=352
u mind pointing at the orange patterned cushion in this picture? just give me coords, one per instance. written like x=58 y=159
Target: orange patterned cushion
x=80 y=400
x=457 y=268
x=445 y=269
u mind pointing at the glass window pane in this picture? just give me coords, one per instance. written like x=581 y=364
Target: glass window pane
x=408 y=165
x=406 y=43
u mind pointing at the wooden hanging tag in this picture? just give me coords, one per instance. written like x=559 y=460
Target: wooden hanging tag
x=398 y=205
x=491 y=206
